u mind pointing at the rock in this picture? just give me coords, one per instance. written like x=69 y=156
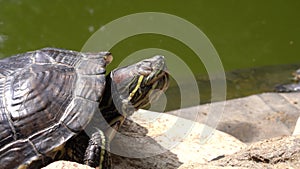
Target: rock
x=251 y=118
x=206 y=166
x=297 y=128
x=282 y=152
x=169 y=141
x=66 y=165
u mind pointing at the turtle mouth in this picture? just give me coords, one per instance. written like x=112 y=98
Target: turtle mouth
x=160 y=77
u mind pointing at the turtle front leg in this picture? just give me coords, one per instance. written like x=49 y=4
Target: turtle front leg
x=96 y=153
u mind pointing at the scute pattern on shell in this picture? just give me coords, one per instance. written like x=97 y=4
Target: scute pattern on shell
x=46 y=97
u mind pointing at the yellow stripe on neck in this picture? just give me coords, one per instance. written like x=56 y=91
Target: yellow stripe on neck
x=136 y=87
x=103 y=146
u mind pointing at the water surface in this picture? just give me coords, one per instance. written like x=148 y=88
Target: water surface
x=246 y=34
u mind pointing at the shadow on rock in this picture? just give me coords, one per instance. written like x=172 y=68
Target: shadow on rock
x=134 y=149
x=242 y=130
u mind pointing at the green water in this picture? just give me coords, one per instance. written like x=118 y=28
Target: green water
x=245 y=33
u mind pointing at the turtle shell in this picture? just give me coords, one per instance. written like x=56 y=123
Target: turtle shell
x=46 y=97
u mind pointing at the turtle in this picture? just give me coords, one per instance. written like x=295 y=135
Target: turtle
x=61 y=104
x=293 y=87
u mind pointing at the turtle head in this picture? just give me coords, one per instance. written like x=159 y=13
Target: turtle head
x=139 y=84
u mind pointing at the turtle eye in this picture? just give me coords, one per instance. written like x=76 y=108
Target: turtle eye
x=144 y=68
